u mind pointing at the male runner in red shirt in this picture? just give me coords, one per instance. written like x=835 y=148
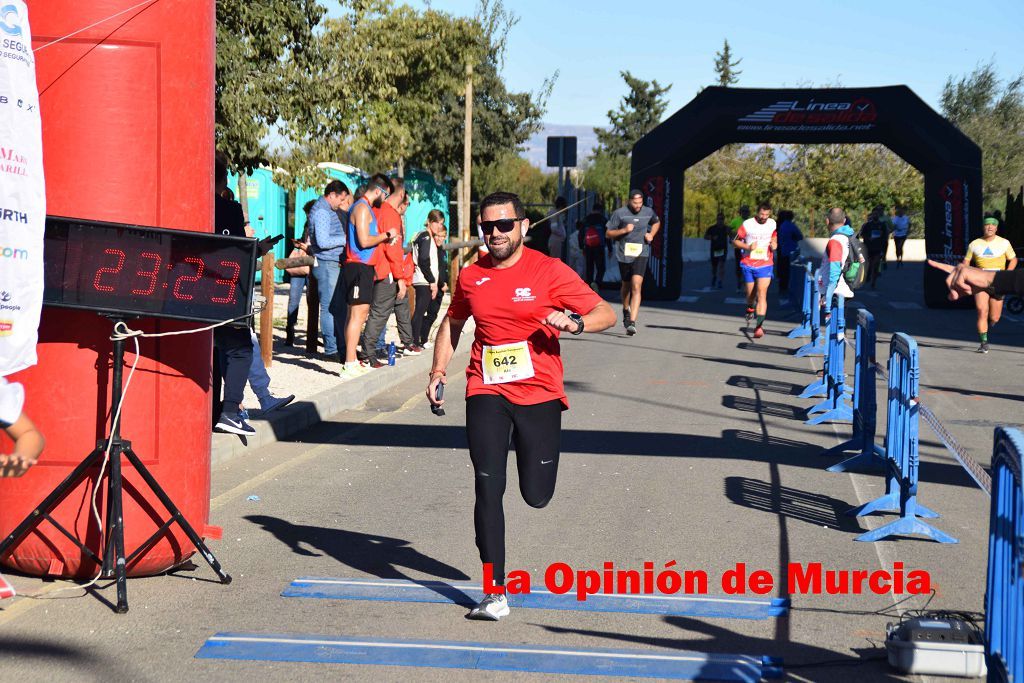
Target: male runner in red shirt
x=518 y=298
x=758 y=239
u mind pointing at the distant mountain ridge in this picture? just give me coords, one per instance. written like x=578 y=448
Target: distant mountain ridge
x=536 y=148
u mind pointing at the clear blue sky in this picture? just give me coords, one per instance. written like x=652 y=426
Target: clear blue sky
x=782 y=43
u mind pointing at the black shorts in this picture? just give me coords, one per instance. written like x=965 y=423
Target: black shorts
x=637 y=267
x=358 y=283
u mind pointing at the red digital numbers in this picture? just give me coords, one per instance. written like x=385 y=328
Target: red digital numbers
x=232 y=291
x=195 y=282
x=113 y=270
x=200 y=267
x=151 y=274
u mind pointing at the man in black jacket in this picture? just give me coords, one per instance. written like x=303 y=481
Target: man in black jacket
x=431 y=276
x=232 y=345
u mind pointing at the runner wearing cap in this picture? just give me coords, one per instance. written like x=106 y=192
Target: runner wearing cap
x=993 y=253
x=758 y=239
x=520 y=300
x=633 y=228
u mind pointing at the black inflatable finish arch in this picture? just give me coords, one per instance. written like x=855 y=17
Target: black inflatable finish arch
x=892 y=116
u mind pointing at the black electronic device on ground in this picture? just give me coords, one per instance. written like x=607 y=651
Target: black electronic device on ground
x=936 y=644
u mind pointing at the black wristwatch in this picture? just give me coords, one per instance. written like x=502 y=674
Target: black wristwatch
x=578 y=319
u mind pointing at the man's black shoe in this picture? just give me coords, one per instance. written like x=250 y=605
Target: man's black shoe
x=232 y=423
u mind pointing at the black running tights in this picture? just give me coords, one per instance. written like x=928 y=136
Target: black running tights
x=492 y=425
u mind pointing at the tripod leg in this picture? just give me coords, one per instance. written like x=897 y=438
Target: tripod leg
x=115 y=525
x=50 y=502
x=177 y=516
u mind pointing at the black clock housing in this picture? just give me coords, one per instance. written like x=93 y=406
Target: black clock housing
x=139 y=271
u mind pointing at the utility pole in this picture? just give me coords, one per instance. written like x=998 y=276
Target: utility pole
x=465 y=196
x=467 y=153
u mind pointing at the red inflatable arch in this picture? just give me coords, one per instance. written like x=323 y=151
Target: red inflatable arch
x=127 y=109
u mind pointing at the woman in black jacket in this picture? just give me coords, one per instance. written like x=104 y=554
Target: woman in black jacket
x=431 y=276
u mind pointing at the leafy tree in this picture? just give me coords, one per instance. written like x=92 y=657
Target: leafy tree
x=991 y=113
x=502 y=122
x=390 y=87
x=264 y=51
x=608 y=176
x=807 y=179
x=725 y=67
x=512 y=173
x=640 y=110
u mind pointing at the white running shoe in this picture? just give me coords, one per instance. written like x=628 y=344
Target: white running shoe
x=493 y=607
x=353 y=370
x=233 y=424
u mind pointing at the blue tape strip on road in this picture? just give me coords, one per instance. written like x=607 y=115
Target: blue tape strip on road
x=468 y=595
x=674 y=664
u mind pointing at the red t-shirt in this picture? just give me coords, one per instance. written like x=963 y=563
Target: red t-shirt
x=509 y=305
x=391 y=263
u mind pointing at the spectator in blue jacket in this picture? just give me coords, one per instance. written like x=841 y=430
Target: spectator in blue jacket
x=327 y=245
x=789 y=247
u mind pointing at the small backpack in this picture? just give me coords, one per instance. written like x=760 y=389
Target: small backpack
x=855 y=270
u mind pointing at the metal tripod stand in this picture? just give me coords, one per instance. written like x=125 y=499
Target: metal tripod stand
x=114 y=562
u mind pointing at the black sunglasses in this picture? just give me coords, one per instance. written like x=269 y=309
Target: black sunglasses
x=503 y=225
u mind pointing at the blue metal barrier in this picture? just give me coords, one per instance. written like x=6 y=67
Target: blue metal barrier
x=901 y=451
x=801 y=291
x=816 y=347
x=865 y=404
x=1004 y=587
x=834 y=408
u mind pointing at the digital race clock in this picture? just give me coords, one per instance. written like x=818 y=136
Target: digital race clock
x=133 y=270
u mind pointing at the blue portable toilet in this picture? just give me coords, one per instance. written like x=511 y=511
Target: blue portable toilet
x=425 y=194
x=268 y=211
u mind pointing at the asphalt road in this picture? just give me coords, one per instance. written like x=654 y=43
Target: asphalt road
x=683 y=443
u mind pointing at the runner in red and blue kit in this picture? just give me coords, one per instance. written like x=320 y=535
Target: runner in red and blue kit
x=521 y=301
x=758 y=240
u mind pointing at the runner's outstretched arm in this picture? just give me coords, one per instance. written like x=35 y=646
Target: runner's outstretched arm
x=599 y=318
x=28 y=444
x=964 y=280
x=444 y=348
